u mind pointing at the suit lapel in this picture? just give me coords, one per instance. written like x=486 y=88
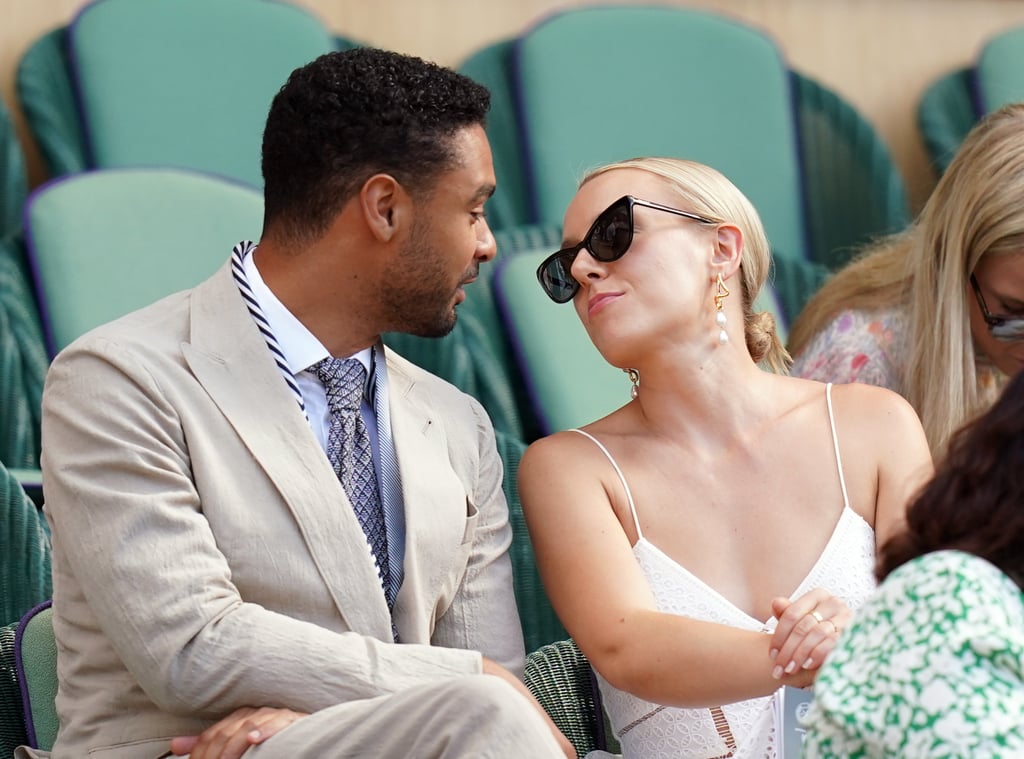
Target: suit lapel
x=434 y=500
x=229 y=357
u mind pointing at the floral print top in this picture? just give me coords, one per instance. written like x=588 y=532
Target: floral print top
x=932 y=666
x=870 y=347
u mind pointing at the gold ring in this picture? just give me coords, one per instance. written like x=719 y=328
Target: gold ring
x=817 y=616
x=834 y=626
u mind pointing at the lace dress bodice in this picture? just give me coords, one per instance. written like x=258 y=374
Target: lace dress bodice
x=747 y=728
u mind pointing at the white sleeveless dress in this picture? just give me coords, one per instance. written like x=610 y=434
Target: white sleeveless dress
x=746 y=729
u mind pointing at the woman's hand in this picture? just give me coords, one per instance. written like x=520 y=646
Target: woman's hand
x=232 y=736
x=807 y=631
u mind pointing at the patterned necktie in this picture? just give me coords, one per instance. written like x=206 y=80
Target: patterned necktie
x=348 y=449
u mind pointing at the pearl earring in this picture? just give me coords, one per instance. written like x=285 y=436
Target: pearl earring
x=720 y=318
x=634 y=377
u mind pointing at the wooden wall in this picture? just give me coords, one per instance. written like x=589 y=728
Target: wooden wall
x=879 y=54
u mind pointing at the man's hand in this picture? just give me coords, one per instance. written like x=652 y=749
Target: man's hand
x=232 y=736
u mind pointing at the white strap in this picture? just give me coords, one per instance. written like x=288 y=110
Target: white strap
x=835 y=444
x=622 y=478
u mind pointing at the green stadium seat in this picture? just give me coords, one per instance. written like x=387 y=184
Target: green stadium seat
x=104 y=243
x=157 y=82
x=955 y=102
x=818 y=173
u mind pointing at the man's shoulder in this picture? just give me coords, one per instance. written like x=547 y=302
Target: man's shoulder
x=162 y=322
x=444 y=396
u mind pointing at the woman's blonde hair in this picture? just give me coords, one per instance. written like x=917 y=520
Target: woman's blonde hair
x=706 y=192
x=976 y=210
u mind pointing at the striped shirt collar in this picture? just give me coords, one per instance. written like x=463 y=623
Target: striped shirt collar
x=300 y=347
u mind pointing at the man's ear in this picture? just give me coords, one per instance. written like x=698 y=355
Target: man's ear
x=386 y=206
x=728 y=250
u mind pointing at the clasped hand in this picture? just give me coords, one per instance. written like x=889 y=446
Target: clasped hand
x=807 y=631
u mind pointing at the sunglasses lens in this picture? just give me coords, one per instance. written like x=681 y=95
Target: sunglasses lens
x=556 y=278
x=612 y=233
x=608 y=240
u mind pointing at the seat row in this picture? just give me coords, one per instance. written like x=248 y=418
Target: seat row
x=131 y=83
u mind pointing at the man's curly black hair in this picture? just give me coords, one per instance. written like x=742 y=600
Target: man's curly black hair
x=349 y=115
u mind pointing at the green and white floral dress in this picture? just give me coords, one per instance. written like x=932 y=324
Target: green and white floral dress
x=932 y=666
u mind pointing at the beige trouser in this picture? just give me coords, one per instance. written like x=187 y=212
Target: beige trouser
x=475 y=716
x=478 y=716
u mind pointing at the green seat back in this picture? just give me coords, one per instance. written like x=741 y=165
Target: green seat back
x=24 y=551
x=561 y=679
x=568 y=381
x=23 y=359
x=999 y=70
x=47 y=96
x=36 y=651
x=108 y=242
x=539 y=622
x=853 y=191
x=186 y=82
x=945 y=114
x=490 y=66
x=602 y=84
x=13 y=182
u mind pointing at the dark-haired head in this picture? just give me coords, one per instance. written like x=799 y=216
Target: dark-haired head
x=349 y=115
x=975 y=501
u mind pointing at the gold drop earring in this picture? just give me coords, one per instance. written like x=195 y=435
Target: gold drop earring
x=720 y=318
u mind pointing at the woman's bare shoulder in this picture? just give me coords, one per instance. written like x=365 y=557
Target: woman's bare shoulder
x=871 y=404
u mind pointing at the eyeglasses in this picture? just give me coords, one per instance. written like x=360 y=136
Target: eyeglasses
x=607 y=240
x=1008 y=328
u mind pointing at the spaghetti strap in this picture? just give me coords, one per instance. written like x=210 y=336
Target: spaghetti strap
x=622 y=479
x=835 y=444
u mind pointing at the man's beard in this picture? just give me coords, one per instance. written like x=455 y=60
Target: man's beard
x=417 y=295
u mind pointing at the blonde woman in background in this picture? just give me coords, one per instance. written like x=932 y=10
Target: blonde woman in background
x=935 y=313
x=705 y=543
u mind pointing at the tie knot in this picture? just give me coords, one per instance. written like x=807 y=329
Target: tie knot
x=344 y=380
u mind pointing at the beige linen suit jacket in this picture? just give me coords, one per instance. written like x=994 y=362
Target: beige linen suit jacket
x=206 y=557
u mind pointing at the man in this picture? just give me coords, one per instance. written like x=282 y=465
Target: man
x=209 y=558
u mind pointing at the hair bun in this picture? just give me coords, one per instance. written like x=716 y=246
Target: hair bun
x=763 y=341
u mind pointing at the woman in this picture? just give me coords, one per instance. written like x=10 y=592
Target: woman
x=935 y=313
x=671 y=531
x=934 y=664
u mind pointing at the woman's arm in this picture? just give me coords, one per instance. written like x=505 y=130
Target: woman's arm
x=599 y=592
